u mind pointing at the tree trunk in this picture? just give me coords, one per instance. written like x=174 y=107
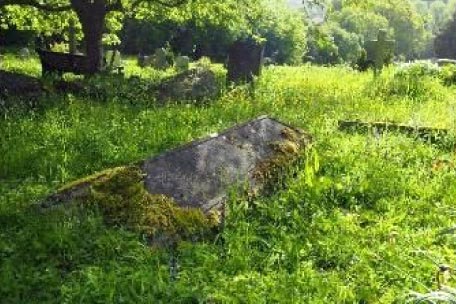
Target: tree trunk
x=92 y=15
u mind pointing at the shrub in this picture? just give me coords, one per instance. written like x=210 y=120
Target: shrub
x=448 y=75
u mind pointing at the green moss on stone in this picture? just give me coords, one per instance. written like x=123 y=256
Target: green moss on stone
x=272 y=172
x=120 y=195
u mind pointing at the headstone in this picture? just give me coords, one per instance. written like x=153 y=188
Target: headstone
x=24 y=53
x=446 y=62
x=160 y=61
x=72 y=37
x=195 y=85
x=144 y=60
x=182 y=63
x=245 y=60
x=378 y=51
x=202 y=173
x=113 y=61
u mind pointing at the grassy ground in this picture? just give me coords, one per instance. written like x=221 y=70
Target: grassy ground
x=365 y=228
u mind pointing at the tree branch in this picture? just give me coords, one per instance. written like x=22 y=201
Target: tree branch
x=36 y=4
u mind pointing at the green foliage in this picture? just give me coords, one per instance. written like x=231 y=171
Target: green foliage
x=208 y=29
x=448 y=75
x=400 y=17
x=416 y=81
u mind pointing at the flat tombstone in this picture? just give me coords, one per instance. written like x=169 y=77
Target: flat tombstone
x=160 y=61
x=24 y=53
x=245 y=60
x=201 y=174
x=182 y=63
x=171 y=195
x=378 y=51
x=446 y=62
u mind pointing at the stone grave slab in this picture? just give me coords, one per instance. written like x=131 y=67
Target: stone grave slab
x=429 y=134
x=181 y=193
x=201 y=173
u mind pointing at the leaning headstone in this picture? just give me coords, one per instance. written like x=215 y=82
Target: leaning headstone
x=182 y=63
x=160 y=61
x=24 y=53
x=379 y=51
x=245 y=60
x=193 y=182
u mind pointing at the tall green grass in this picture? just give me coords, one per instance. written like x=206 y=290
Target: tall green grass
x=364 y=228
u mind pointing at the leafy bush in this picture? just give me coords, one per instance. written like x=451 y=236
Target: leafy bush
x=448 y=75
x=414 y=80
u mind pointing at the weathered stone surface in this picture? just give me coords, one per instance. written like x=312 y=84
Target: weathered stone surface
x=182 y=63
x=245 y=60
x=160 y=61
x=194 y=85
x=200 y=175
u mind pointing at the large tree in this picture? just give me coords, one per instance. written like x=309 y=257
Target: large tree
x=91 y=15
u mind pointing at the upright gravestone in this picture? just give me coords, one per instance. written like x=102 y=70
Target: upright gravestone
x=144 y=60
x=160 y=61
x=245 y=60
x=72 y=37
x=24 y=53
x=379 y=51
x=182 y=63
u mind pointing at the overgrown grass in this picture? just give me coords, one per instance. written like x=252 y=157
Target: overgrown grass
x=364 y=228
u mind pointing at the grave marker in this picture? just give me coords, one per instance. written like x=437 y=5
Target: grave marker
x=160 y=62
x=113 y=61
x=182 y=63
x=245 y=60
x=24 y=53
x=378 y=51
x=72 y=37
x=200 y=175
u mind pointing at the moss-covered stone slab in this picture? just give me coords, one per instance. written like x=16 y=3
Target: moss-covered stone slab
x=433 y=135
x=202 y=173
x=181 y=194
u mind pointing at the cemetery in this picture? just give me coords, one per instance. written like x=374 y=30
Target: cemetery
x=227 y=151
